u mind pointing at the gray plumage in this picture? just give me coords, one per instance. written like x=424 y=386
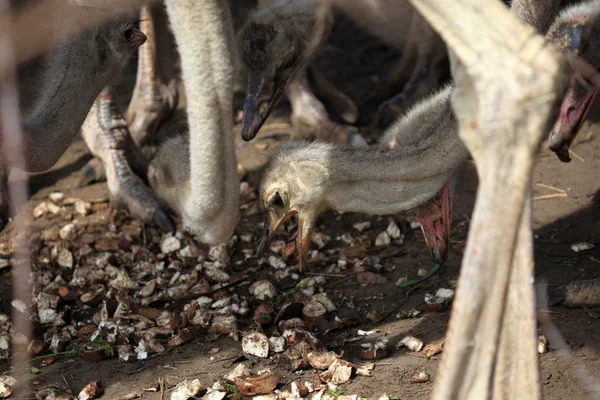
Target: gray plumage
x=417 y=156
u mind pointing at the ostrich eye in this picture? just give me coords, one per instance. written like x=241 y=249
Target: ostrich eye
x=128 y=33
x=276 y=200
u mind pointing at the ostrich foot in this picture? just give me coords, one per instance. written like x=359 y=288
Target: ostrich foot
x=108 y=137
x=129 y=192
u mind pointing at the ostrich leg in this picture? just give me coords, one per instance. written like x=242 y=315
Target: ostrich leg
x=204 y=33
x=154 y=97
x=106 y=134
x=502 y=118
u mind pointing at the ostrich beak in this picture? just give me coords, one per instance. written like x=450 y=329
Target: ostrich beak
x=305 y=225
x=136 y=38
x=574 y=110
x=436 y=220
x=272 y=223
x=261 y=97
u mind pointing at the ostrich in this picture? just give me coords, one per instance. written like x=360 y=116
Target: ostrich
x=307 y=191
x=153 y=101
x=115 y=140
x=93 y=60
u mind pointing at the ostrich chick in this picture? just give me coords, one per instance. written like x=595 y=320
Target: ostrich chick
x=275 y=45
x=575 y=31
x=411 y=172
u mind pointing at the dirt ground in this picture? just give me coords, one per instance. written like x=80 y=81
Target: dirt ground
x=559 y=222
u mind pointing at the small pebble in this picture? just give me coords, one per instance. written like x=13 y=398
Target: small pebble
x=542 y=345
x=256 y=344
x=361 y=226
x=420 y=377
x=170 y=244
x=65 y=258
x=320 y=239
x=189 y=251
x=392 y=230
x=383 y=239
x=263 y=289
x=68 y=232
x=83 y=207
x=277 y=262
x=582 y=246
x=56 y=197
x=401 y=280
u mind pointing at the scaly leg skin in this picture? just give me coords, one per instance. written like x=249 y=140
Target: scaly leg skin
x=153 y=100
x=425 y=76
x=310 y=119
x=106 y=134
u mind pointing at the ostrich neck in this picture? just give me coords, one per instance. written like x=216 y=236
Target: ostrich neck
x=391 y=181
x=421 y=145
x=64 y=94
x=71 y=86
x=421 y=152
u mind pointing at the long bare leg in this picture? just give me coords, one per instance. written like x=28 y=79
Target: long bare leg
x=155 y=95
x=107 y=136
x=204 y=33
x=502 y=118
